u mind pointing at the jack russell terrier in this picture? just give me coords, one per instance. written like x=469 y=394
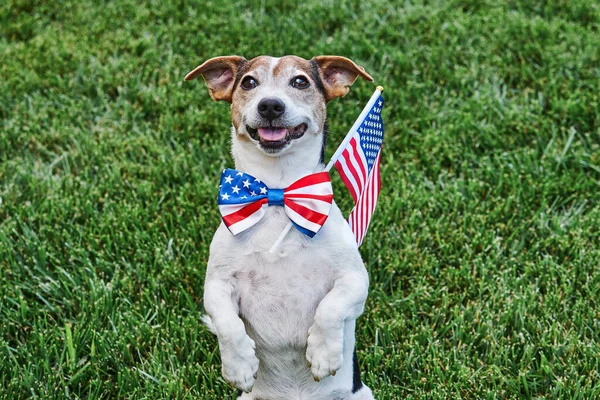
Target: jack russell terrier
x=284 y=321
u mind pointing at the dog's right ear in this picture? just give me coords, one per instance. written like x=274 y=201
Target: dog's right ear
x=219 y=74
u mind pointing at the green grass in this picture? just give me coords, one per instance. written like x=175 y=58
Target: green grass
x=483 y=254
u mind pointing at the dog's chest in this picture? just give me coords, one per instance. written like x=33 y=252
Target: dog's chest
x=278 y=295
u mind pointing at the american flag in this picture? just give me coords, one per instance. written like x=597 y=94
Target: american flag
x=358 y=165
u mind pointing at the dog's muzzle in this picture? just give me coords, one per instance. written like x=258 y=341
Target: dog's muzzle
x=273 y=138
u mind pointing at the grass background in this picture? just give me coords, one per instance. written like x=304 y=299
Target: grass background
x=483 y=253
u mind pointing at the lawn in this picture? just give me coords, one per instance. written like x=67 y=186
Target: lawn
x=483 y=253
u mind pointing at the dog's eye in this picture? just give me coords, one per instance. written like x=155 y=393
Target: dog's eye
x=249 y=83
x=300 y=82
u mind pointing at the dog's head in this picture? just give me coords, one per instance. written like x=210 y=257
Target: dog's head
x=278 y=103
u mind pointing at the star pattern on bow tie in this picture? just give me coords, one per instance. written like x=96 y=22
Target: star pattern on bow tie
x=236 y=185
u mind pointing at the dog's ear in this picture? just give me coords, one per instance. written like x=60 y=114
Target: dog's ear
x=219 y=74
x=338 y=74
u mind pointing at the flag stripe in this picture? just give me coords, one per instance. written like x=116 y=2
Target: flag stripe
x=359 y=155
x=347 y=178
x=350 y=156
x=360 y=217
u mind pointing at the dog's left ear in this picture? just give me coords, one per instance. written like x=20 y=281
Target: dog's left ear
x=219 y=74
x=338 y=74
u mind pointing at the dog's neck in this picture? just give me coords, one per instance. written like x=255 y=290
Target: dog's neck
x=277 y=172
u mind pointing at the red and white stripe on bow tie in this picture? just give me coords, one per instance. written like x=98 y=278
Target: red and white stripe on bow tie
x=308 y=202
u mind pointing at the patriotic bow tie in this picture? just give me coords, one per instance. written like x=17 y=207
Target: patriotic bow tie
x=243 y=201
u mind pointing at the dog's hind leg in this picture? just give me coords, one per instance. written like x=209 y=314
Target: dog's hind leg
x=359 y=390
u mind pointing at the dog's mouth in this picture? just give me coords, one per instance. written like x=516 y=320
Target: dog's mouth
x=273 y=138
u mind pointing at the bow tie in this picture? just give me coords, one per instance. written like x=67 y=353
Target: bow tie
x=243 y=201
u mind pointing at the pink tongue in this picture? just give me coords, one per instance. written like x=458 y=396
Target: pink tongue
x=272 y=134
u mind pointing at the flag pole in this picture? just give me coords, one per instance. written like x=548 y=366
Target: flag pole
x=336 y=155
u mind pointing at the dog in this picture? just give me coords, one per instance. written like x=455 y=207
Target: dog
x=284 y=321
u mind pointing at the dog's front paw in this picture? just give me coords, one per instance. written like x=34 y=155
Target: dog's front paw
x=324 y=351
x=240 y=363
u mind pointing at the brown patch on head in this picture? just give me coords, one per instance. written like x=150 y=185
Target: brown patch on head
x=301 y=67
x=257 y=63
x=256 y=66
x=292 y=62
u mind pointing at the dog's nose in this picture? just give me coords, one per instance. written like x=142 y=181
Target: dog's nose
x=271 y=108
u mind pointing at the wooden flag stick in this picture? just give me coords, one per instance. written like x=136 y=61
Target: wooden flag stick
x=335 y=156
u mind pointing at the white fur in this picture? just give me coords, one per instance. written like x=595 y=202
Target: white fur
x=275 y=314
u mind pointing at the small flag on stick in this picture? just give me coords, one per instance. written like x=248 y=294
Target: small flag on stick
x=357 y=161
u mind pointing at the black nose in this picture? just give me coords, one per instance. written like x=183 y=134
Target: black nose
x=271 y=108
